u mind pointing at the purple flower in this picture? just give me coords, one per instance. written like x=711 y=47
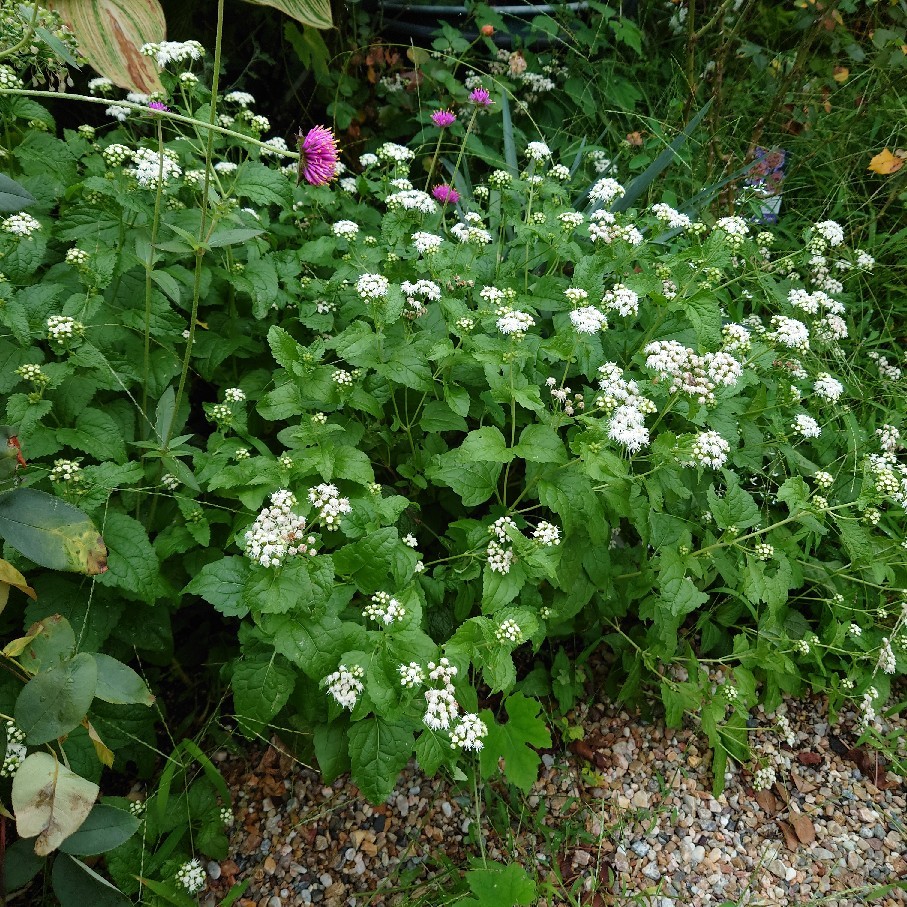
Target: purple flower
x=318 y=155
x=480 y=97
x=443 y=118
x=158 y=107
x=446 y=194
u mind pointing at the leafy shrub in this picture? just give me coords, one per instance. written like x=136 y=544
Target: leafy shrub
x=509 y=412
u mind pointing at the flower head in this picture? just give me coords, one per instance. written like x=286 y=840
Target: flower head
x=317 y=156
x=480 y=97
x=158 y=107
x=446 y=194
x=443 y=118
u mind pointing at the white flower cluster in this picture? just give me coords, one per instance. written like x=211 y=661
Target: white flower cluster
x=342 y=377
x=764 y=551
x=830 y=232
x=789 y=332
x=33 y=373
x=68 y=472
x=277 y=532
x=600 y=161
x=886 y=370
x=734 y=228
x=889 y=477
x=735 y=338
x=345 y=229
x=806 y=426
x=118 y=112
x=372 y=286
x=868 y=715
x=889 y=438
x=171 y=482
x=621 y=299
x=547 y=534
x=99 y=85
x=626 y=406
x=425 y=243
x=500 y=179
x=412 y=200
x=345 y=685
x=15 y=750
x=62 y=328
x=8 y=77
x=384 y=608
x=167 y=52
x=559 y=172
x=471 y=230
x=76 y=257
x=393 y=153
x=426 y=289
x=764 y=777
x=588 y=320
x=670 y=217
x=326 y=499
x=469 y=734
x=689 y=373
x=20 y=225
x=191 y=875
x=412 y=675
x=441 y=705
x=709 y=449
x=606 y=190
x=827 y=387
x=887 y=663
x=508 y=631
x=151 y=167
x=243 y=98
x=538 y=151
x=116 y=154
x=605 y=228
x=277 y=147
x=500 y=551
x=234 y=395
x=514 y=322
x=570 y=220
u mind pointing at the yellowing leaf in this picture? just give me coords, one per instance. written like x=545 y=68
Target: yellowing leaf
x=10 y=575
x=316 y=13
x=110 y=34
x=15 y=648
x=885 y=163
x=103 y=752
x=50 y=801
x=840 y=74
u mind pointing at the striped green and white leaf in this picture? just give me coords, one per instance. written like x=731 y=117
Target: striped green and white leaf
x=110 y=34
x=316 y=13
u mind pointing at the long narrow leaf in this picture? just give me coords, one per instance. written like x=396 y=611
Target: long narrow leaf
x=661 y=163
x=509 y=144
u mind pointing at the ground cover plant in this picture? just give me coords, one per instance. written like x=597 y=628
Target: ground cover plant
x=396 y=426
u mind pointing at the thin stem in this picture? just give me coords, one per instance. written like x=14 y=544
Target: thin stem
x=434 y=160
x=478 y=808
x=26 y=38
x=200 y=252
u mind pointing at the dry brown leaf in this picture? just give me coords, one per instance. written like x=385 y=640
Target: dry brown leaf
x=790 y=838
x=767 y=800
x=782 y=792
x=802 y=785
x=804 y=828
x=840 y=74
x=809 y=758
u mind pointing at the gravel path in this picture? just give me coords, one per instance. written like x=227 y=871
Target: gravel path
x=625 y=811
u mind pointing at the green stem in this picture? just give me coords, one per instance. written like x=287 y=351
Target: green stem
x=200 y=252
x=26 y=38
x=478 y=808
x=434 y=160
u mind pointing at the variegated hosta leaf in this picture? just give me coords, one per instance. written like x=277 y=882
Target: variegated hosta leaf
x=110 y=34
x=316 y=13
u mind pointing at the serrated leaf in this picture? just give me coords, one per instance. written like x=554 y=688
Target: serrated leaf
x=222 y=584
x=97 y=434
x=514 y=741
x=261 y=688
x=379 y=751
x=132 y=560
x=262 y=185
x=541 y=444
x=13 y=197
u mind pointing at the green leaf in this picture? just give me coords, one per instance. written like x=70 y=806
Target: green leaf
x=500 y=886
x=97 y=434
x=331 y=750
x=76 y=885
x=133 y=563
x=261 y=688
x=379 y=751
x=105 y=828
x=49 y=801
x=119 y=684
x=541 y=444
x=13 y=197
x=736 y=508
x=302 y=584
x=432 y=751
x=56 y=700
x=54 y=644
x=263 y=185
x=21 y=864
x=232 y=237
x=374 y=560
x=315 y=645
x=485 y=444
x=51 y=532
x=221 y=584
x=514 y=741
x=438 y=416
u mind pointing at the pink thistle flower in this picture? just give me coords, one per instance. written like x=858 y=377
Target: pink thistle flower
x=480 y=97
x=443 y=118
x=318 y=155
x=158 y=107
x=446 y=194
